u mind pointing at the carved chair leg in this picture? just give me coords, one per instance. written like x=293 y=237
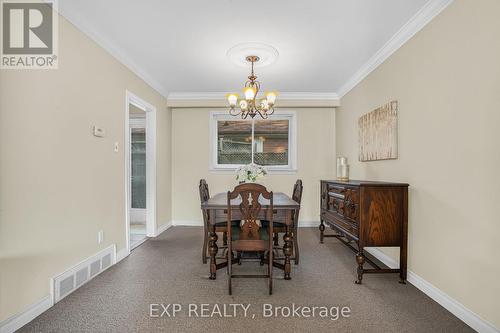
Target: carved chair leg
x=360 y=259
x=224 y=238
x=296 y=245
x=270 y=271
x=229 y=271
x=213 y=252
x=321 y=231
x=205 y=245
x=287 y=250
x=276 y=239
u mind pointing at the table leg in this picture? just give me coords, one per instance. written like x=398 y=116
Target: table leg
x=212 y=249
x=205 y=240
x=296 y=236
x=287 y=250
x=321 y=231
x=360 y=259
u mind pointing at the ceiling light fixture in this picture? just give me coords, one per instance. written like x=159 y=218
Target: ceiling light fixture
x=250 y=105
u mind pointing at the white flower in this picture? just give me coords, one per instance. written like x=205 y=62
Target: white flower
x=250 y=172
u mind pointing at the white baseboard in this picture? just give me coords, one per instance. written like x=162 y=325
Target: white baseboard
x=187 y=223
x=308 y=224
x=31 y=312
x=449 y=303
x=122 y=254
x=163 y=227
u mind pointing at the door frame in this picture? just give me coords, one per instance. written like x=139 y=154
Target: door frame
x=150 y=110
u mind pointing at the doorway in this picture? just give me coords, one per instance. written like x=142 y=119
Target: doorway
x=138 y=185
x=141 y=171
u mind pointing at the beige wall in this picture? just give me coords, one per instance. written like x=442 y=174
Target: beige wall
x=59 y=184
x=190 y=162
x=447 y=82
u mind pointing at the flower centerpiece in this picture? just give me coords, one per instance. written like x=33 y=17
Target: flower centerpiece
x=250 y=173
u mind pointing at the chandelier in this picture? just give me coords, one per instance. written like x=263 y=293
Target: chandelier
x=250 y=105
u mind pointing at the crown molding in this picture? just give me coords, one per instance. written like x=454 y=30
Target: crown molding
x=81 y=24
x=185 y=99
x=430 y=10
x=286 y=99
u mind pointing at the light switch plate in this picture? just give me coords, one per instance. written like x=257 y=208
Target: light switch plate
x=99 y=131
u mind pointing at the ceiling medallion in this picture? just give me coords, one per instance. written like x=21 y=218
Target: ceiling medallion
x=249 y=105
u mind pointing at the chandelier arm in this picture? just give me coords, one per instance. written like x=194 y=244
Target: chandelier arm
x=259 y=111
x=234 y=111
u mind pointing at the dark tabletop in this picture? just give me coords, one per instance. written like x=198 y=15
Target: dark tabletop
x=366 y=183
x=280 y=201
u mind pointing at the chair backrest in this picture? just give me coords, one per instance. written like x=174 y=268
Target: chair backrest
x=204 y=194
x=250 y=208
x=297 y=191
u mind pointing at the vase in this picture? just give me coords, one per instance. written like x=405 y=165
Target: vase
x=342 y=169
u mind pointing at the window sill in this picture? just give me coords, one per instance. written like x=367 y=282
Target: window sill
x=231 y=171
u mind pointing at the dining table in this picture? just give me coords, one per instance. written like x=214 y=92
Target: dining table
x=285 y=211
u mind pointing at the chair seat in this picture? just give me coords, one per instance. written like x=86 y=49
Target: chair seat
x=250 y=245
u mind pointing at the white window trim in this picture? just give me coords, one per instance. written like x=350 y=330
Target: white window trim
x=230 y=168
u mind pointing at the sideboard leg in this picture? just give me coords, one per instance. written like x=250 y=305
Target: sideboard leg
x=287 y=250
x=402 y=264
x=321 y=231
x=212 y=249
x=360 y=259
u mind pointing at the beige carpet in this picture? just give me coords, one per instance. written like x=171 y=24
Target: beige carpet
x=168 y=269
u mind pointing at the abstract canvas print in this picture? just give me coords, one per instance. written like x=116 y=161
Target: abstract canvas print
x=378 y=133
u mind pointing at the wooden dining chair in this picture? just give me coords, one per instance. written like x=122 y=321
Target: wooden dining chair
x=219 y=227
x=281 y=228
x=247 y=238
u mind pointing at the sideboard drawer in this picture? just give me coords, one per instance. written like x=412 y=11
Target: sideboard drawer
x=343 y=201
x=344 y=225
x=335 y=189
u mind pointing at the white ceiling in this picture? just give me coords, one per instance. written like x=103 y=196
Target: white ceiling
x=180 y=46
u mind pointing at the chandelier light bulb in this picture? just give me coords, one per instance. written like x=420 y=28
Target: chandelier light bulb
x=271 y=97
x=232 y=99
x=249 y=93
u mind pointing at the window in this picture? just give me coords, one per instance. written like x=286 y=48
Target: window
x=267 y=142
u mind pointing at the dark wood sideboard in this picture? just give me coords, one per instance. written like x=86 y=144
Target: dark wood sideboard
x=369 y=214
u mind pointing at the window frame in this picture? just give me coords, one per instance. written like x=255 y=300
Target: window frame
x=289 y=115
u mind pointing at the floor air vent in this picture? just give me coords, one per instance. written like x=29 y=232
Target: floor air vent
x=82 y=276
x=66 y=285
x=106 y=261
x=95 y=267
x=73 y=278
